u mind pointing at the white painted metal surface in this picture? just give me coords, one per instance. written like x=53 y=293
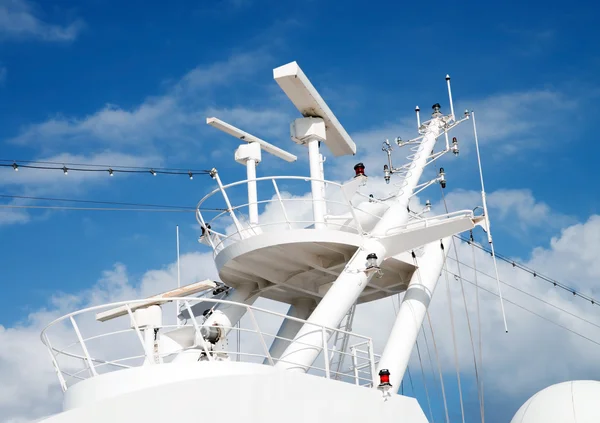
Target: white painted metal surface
x=309 y=102
x=567 y=402
x=412 y=311
x=231 y=392
x=238 y=133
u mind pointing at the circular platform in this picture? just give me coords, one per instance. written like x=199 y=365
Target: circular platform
x=304 y=263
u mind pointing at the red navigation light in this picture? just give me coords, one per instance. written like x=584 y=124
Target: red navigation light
x=359 y=169
x=384 y=377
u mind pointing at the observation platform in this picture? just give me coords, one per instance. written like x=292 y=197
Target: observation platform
x=286 y=254
x=85 y=345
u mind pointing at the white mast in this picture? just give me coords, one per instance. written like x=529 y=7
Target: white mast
x=396 y=354
x=356 y=276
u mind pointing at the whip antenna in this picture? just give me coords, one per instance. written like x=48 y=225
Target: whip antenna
x=487 y=222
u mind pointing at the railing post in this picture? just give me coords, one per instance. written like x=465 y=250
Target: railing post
x=61 y=379
x=149 y=354
x=84 y=348
x=354 y=216
x=372 y=363
x=355 y=365
x=287 y=220
x=260 y=336
x=236 y=222
x=325 y=353
x=208 y=230
x=198 y=331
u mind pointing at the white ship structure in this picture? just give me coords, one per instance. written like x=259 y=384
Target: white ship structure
x=223 y=358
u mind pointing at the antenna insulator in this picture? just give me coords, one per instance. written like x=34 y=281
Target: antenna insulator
x=386 y=174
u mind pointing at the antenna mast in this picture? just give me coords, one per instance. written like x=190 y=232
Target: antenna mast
x=178 y=277
x=487 y=222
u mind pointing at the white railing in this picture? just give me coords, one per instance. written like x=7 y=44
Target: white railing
x=225 y=223
x=81 y=347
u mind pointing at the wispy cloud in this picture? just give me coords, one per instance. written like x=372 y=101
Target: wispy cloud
x=177 y=115
x=18 y=19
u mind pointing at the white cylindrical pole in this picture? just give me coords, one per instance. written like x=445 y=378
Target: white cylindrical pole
x=317 y=188
x=252 y=194
x=330 y=311
x=300 y=309
x=397 y=351
x=450 y=96
x=178 y=277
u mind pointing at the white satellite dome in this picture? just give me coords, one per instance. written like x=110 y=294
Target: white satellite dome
x=567 y=402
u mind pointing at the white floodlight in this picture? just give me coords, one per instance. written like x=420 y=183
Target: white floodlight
x=238 y=133
x=307 y=100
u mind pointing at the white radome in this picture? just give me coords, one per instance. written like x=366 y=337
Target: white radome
x=567 y=402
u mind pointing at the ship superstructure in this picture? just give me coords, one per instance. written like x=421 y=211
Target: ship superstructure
x=321 y=253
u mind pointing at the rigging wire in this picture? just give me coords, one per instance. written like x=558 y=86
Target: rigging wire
x=14 y=206
x=429 y=355
x=535 y=273
x=89 y=167
x=112 y=203
x=535 y=297
x=412 y=387
x=462 y=288
x=424 y=381
x=479 y=329
x=434 y=345
x=533 y=312
x=453 y=331
x=437 y=356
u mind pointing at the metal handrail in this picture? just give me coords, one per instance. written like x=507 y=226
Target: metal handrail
x=91 y=362
x=233 y=211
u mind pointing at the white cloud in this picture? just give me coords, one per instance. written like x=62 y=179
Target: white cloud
x=178 y=115
x=12 y=216
x=515 y=207
x=513 y=121
x=18 y=19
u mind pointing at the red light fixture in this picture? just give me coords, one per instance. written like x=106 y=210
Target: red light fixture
x=384 y=378
x=359 y=169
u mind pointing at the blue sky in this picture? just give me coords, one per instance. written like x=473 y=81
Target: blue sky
x=100 y=82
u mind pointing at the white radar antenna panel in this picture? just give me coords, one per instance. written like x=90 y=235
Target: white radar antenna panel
x=309 y=102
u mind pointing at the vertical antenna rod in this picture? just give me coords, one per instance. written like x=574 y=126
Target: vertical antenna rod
x=178 y=278
x=487 y=220
x=450 y=97
x=418 y=117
